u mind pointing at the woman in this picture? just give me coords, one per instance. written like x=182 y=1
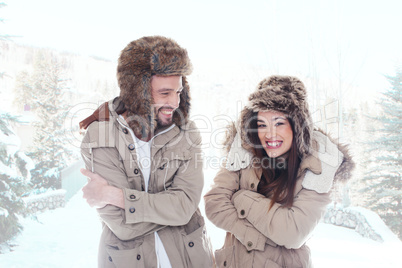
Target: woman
x=277 y=180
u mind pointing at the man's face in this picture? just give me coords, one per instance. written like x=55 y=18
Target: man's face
x=166 y=94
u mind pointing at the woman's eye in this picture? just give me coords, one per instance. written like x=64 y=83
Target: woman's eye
x=261 y=125
x=279 y=124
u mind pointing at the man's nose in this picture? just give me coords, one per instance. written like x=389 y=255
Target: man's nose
x=174 y=100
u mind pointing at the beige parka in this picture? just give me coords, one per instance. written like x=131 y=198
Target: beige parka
x=257 y=236
x=170 y=206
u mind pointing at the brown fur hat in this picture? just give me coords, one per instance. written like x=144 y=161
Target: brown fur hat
x=285 y=94
x=139 y=60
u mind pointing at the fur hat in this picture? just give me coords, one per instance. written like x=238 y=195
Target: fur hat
x=284 y=94
x=139 y=60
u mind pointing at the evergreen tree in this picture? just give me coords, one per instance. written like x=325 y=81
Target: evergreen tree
x=14 y=172
x=23 y=90
x=358 y=130
x=383 y=183
x=14 y=178
x=44 y=91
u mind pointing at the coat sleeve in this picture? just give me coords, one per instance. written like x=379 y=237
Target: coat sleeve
x=176 y=205
x=105 y=162
x=220 y=210
x=288 y=227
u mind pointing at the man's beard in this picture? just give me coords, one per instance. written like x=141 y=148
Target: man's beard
x=163 y=123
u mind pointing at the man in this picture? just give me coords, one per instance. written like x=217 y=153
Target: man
x=144 y=154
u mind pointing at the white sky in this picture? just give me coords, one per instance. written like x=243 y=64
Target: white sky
x=356 y=40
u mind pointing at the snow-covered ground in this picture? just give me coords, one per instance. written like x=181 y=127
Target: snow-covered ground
x=68 y=237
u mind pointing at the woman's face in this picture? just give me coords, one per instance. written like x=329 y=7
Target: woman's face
x=275 y=133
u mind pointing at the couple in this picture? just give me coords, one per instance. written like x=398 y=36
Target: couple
x=142 y=157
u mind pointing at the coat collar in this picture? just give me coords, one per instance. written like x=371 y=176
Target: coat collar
x=320 y=166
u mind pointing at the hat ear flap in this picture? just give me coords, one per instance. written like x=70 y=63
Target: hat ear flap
x=147 y=99
x=302 y=132
x=143 y=120
x=148 y=102
x=182 y=113
x=246 y=117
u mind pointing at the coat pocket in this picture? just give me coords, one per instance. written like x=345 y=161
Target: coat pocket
x=198 y=248
x=126 y=257
x=224 y=257
x=170 y=165
x=197 y=244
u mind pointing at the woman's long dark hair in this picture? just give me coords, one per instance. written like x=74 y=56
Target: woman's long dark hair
x=279 y=176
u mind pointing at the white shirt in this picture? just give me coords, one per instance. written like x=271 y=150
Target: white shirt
x=143 y=150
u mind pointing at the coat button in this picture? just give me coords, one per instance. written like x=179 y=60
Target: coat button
x=125 y=131
x=136 y=171
x=252 y=186
x=162 y=167
x=131 y=147
x=138 y=257
x=132 y=196
x=242 y=212
x=110 y=258
x=191 y=244
x=224 y=263
x=132 y=210
x=249 y=244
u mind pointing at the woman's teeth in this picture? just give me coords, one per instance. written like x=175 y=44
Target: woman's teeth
x=274 y=143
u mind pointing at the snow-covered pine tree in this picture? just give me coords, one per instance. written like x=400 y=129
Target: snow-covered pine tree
x=15 y=174
x=50 y=150
x=358 y=131
x=383 y=184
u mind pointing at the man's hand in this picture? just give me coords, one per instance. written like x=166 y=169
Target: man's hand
x=99 y=193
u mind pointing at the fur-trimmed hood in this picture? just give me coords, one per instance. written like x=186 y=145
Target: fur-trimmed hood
x=335 y=163
x=288 y=95
x=139 y=60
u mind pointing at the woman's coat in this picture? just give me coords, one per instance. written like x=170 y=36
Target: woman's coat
x=261 y=237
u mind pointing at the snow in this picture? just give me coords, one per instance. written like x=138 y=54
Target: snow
x=64 y=237
x=26 y=117
x=333 y=246
x=68 y=237
x=377 y=224
x=49 y=193
x=3 y=212
x=9 y=172
x=53 y=172
x=29 y=163
x=12 y=141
